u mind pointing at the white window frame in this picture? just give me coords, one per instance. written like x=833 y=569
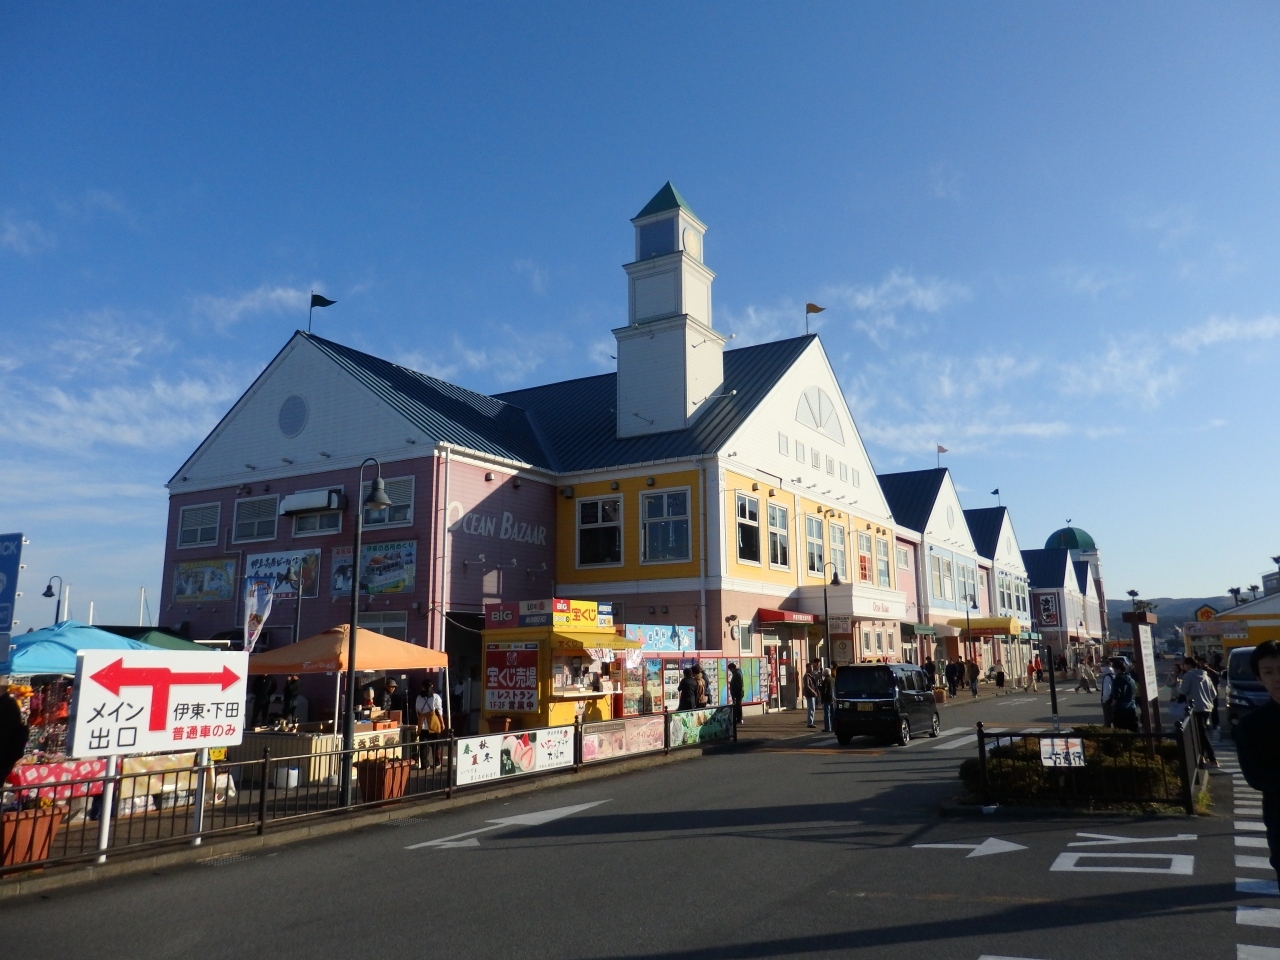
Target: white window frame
x=217 y=524
x=863 y=536
x=367 y=486
x=784 y=444
x=620 y=523
x=840 y=551
x=844 y=472
x=742 y=501
x=884 y=577
x=644 y=539
x=856 y=476
x=866 y=640
x=831 y=466
x=935 y=576
x=815 y=458
x=317 y=513
x=374 y=620
x=948 y=581
x=800 y=454
x=902 y=557
x=809 y=550
x=780 y=533
x=275 y=514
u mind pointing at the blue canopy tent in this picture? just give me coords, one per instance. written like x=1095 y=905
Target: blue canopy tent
x=53 y=649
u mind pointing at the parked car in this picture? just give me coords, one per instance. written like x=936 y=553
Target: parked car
x=1244 y=691
x=893 y=701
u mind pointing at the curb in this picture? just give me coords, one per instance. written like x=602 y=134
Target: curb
x=976 y=812
x=122 y=864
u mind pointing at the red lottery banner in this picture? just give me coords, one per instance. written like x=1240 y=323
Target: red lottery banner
x=511 y=677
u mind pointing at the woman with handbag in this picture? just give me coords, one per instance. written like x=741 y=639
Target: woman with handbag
x=430 y=710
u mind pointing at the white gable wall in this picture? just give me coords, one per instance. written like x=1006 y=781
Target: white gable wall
x=344 y=419
x=1008 y=553
x=947 y=525
x=755 y=442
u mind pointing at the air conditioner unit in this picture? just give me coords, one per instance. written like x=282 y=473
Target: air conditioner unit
x=311 y=501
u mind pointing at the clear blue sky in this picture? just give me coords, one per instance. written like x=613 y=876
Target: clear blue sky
x=1046 y=235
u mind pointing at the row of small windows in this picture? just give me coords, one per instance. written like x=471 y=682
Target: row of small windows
x=872 y=567
x=257 y=518
x=1011 y=594
x=819 y=461
x=664 y=529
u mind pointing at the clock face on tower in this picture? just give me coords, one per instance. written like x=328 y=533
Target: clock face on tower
x=693 y=243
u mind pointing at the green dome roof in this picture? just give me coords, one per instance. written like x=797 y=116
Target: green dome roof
x=1070 y=538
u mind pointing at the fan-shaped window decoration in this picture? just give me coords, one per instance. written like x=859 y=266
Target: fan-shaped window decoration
x=817 y=410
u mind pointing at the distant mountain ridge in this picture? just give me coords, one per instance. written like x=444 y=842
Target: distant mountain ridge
x=1171 y=611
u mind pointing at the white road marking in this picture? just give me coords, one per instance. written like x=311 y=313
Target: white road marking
x=1252 y=863
x=951 y=731
x=959 y=742
x=454 y=844
x=1246 y=952
x=1180 y=864
x=1264 y=888
x=1256 y=842
x=984 y=849
x=534 y=819
x=1109 y=840
x=991 y=956
x=1258 y=916
x=1252 y=825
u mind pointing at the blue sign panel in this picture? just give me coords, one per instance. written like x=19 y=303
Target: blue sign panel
x=10 y=558
x=661 y=637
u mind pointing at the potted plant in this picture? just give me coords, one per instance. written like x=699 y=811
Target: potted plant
x=26 y=835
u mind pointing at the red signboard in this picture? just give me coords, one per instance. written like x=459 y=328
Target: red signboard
x=782 y=616
x=511 y=677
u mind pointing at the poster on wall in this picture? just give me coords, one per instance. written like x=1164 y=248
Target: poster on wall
x=204 y=581
x=277 y=567
x=700 y=726
x=1047 y=604
x=621 y=738
x=384 y=568
x=511 y=677
x=660 y=636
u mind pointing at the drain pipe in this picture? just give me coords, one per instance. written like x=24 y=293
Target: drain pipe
x=702 y=582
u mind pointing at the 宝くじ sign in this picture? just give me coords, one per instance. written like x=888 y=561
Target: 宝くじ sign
x=134 y=701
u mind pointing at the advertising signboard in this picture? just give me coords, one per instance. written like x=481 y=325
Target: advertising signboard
x=621 y=738
x=277 y=566
x=1048 y=609
x=501 y=755
x=1148 y=655
x=555 y=612
x=134 y=701
x=10 y=563
x=511 y=677
x=700 y=726
x=384 y=568
x=204 y=581
x=1061 y=752
x=660 y=636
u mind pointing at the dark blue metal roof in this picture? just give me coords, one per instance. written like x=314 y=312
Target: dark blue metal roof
x=984 y=527
x=445 y=412
x=571 y=425
x=911 y=495
x=1046 y=568
x=1082 y=574
x=577 y=422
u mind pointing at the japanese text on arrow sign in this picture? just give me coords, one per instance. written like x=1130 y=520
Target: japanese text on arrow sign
x=132 y=701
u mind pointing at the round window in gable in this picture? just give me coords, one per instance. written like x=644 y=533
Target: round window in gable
x=293 y=416
x=951 y=514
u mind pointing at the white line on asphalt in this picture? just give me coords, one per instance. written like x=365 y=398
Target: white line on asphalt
x=1252 y=863
x=1258 y=916
x=1252 y=842
x=519 y=820
x=992 y=956
x=1180 y=864
x=1246 y=952
x=1251 y=825
x=1263 y=888
x=951 y=731
x=959 y=742
x=986 y=848
x=1109 y=840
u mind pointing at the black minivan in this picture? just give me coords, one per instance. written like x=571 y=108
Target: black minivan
x=1245 y=691
x=892 y=700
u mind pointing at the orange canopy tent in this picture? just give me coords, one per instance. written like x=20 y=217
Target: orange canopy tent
x=327 y=653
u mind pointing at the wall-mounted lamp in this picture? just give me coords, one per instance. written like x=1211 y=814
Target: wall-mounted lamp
x=489 y=475
x=755 y=486
x=566 y=492
x=649 y=481
x=517 y=483
x=540 y=568
x=773 y=492
x=664 y=609
x=731 y=618
x=614 y=485
x=479 y=559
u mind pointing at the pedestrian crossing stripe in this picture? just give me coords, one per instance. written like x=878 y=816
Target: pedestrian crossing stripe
x=1258 y=916
x=1257 y=842
x=1252 y=863
x=1246 y=952
x=1251 y=825
x=1257 y=887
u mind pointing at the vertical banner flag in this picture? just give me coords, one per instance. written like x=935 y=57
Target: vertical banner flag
x=257 y=607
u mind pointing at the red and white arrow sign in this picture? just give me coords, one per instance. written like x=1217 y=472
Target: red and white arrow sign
x=116 y=675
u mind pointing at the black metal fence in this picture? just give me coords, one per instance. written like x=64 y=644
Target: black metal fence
x=1086 y=767
x=90 y=818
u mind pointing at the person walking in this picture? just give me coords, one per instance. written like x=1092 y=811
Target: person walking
x=736 y=691
x=999 y=679
x=1258 y=744
x=1200 y=695
x=1031 y=678
x=811 y=692
x=687 y=690
x=1124 y=698
x=1105 y=676
x=953 y=679
x=1215 y=677
x=1039 y=669
x=931 y=671
x=1086 y=679
x=430 y=709
x=827 y=691
x=971 y=674
x=700 y=697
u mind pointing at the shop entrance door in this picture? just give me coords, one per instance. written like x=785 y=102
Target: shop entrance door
x=786 y=675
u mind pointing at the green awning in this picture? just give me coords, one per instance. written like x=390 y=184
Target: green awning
x=918 y=629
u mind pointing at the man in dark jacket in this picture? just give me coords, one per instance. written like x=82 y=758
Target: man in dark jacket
x=737 y=689
x=1258 y=744
x=1124 y=698
x=13 y=734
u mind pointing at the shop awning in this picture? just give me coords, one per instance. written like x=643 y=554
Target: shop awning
x=327 y=653
x=988 y=626
x=918 y=630
x=52 y=650
x=764 y=615
x=593 y=641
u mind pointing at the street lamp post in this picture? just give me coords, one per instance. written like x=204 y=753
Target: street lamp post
x=826 y=618
x=48 y=592
x=377 y=499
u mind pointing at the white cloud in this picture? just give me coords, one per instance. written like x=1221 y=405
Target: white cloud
x=1171 y=225
x=100 y=341
x=1134 y=370
x=224 y=312
x=431 y=366
x=536 y=275
x=601 y=354
x=754 y=324
x=1093 y=283
x=944 y=181
x=94 y=200
x=878 y=306
x=23 y=236
x=1226 y=330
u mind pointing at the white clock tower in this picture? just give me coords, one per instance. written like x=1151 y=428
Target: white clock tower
x=670 y=361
